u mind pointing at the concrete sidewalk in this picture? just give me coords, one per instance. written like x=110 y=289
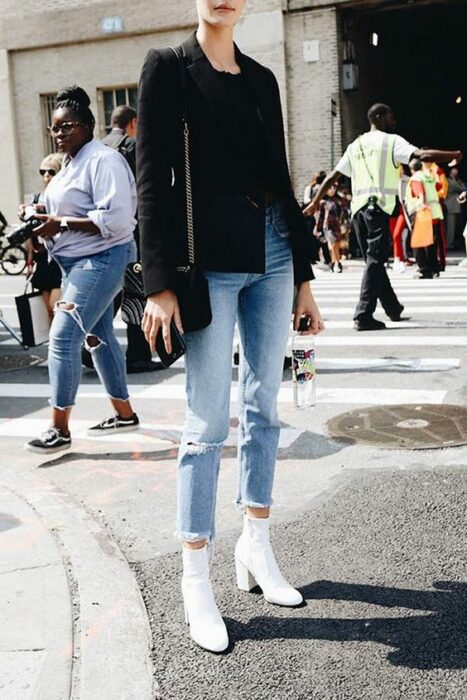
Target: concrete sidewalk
x=73 y=621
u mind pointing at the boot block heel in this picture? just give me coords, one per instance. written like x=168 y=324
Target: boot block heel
x=245 y=581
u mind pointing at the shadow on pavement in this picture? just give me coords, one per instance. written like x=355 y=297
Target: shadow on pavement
x=307 y=446
x=436 y=640
x=8 y=522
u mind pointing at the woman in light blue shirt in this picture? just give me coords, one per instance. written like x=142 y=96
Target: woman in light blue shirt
x=88 y=230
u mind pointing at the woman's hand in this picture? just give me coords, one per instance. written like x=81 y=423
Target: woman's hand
x=159 y=311
x=50 y=226
x=305 y=306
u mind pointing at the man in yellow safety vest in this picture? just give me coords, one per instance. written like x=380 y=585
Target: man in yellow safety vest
x=372 y=162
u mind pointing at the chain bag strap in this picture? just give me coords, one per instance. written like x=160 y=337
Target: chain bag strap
x=188 y=282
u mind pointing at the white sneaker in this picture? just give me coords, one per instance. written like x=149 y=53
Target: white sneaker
x=399 y=266
x=256 y=564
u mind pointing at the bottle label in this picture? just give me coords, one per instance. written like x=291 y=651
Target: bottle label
x=303 y=365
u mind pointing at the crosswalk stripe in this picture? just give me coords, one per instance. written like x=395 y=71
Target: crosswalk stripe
x=380 y=338
x=329 y=296
x=407 y=364
x=340 y=283
x=399 y=325
x=177 y=392
x=350 y=310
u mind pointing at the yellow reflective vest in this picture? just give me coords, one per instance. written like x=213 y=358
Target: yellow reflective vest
x=374 y=173
x=430 y=199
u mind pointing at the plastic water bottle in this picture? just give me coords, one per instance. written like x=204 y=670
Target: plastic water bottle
x=303 y=369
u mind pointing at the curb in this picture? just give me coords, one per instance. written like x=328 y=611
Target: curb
x=113 y=639
x=35 y=606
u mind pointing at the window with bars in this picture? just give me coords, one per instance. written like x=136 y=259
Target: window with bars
x=48 y=103
x=109 y=98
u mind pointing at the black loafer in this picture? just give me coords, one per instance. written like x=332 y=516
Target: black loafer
x=143 y=366
x=397 y=316
x=370 y=324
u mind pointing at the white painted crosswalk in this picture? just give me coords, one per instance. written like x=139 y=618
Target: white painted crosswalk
x=354 y=369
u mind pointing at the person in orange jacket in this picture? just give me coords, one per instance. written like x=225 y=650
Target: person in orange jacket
x=442 y=187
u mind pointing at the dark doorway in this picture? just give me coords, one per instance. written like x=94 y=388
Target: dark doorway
x=418 y=67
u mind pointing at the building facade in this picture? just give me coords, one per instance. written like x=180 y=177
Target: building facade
x=101 y=44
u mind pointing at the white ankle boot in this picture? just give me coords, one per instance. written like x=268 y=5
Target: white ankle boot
x=207 y=627
x=256 y=564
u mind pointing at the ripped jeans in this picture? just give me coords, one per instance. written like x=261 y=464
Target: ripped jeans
x=89 y=286
x=261 y=304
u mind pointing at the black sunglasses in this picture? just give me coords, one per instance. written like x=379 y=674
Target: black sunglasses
x=48 y=171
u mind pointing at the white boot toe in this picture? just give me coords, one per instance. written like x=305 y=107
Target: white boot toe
x=207 y=628
x=256 y=565
x=286 y=596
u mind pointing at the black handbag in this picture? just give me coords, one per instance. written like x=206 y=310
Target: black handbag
x=188 y=281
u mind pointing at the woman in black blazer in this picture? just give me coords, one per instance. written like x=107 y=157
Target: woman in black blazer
x=251 y=241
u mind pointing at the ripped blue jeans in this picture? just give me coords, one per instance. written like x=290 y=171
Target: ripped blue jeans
x=85 y=312
x=261 y=304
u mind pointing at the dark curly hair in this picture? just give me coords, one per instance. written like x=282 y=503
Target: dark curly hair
x=77 y=99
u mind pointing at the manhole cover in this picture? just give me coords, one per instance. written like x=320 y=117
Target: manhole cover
x=19 y=361
x=407 y=426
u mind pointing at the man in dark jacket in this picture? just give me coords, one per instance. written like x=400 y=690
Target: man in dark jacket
x=122 y=137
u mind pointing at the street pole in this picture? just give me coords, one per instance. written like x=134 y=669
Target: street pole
x=333 y=115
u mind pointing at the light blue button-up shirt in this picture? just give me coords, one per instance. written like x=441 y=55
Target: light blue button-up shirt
x=97 y=184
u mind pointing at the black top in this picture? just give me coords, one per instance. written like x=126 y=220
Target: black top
x=236 y=143
x=245 y=112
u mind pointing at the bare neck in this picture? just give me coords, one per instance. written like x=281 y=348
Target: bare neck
x=218 y=45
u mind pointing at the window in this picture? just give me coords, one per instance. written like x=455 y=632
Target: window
x=48 y=103
x=109 y=98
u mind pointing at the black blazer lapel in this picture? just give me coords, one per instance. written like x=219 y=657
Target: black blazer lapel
x=210 y=83
x=265 y=91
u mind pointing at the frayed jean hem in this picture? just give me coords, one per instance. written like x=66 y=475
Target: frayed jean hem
x=193 y=536
x=241 y=504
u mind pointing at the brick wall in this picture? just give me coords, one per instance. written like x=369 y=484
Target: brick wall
x=51 y=46
x=310 y=88
x=112 y=62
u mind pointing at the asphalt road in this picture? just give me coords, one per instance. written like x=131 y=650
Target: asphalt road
x=375 y=538
x=381 y=564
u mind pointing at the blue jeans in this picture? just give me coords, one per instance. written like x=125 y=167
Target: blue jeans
x=261 y=304
x=89 y=286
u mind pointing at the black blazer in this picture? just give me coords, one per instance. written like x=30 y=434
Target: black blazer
x=229 y=226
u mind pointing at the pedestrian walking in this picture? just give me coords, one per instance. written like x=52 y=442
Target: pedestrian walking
x=123 y=138
x=454 y=224
x=329 y=225
x=250 y=240
x=372 y=162
x=421 y=195
x=47 y=276
x=322 y=245
x=88 y=230
x=441 y=182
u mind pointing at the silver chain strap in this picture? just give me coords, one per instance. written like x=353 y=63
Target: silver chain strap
x=189 y=197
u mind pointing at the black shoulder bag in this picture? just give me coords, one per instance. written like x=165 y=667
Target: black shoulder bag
x=188 y=281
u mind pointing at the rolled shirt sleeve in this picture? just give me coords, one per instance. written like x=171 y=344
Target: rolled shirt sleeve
x=344 y=165
x=403 y=151
x=114 y=195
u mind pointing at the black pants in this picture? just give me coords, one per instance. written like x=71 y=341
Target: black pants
x=371 y=226
x=427 y=258
x=323 y=244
